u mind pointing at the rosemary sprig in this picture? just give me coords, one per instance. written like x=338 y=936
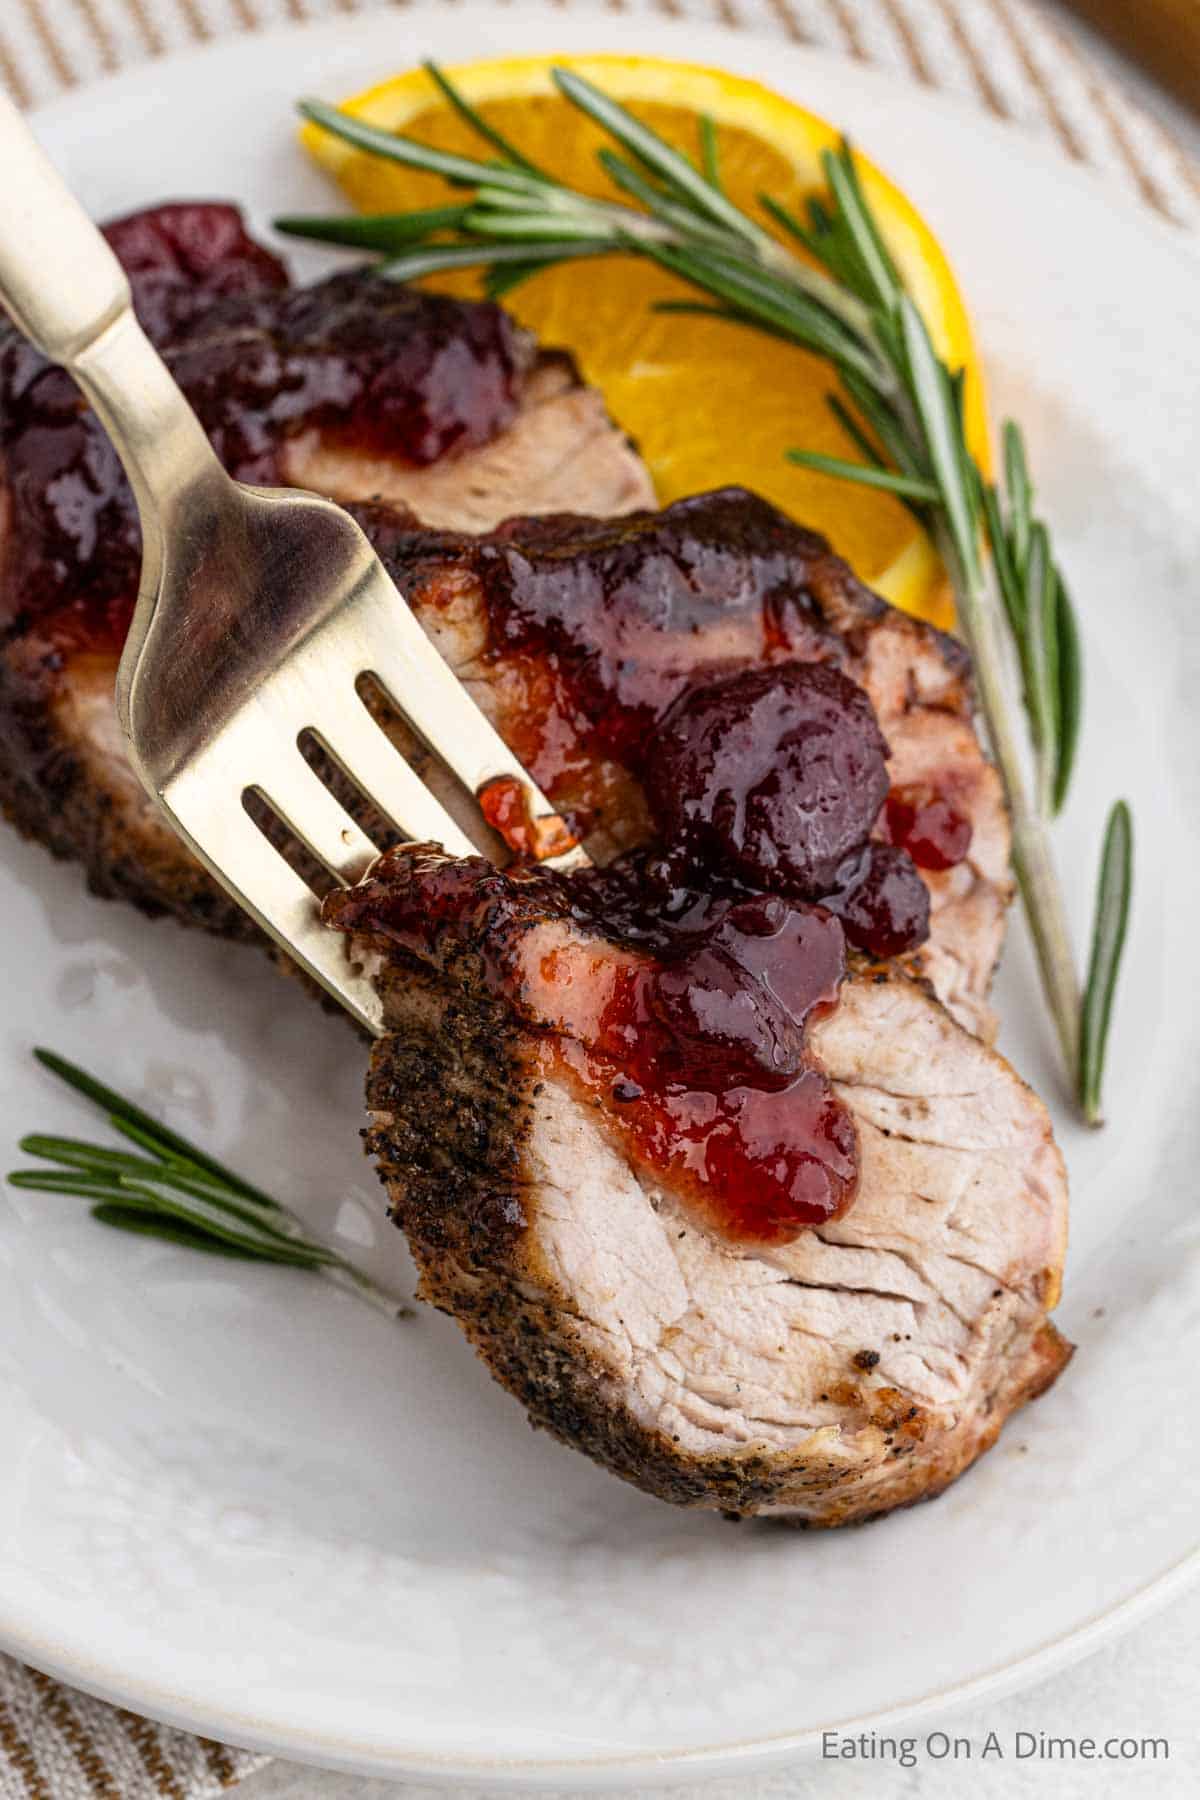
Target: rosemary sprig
x=175 y=1191
x=833 y=288
x=1042 y=621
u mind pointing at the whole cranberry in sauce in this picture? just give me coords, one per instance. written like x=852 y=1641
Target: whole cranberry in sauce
x=774 y=775
x=883 y=903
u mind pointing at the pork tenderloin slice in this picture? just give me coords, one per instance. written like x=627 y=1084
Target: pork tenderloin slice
x=64 y=777
x=561 y=453
x=778 y=590
x=968 y=903
x=66 y=783
x=858 y=1367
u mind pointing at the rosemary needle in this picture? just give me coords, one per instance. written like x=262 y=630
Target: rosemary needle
x=844 y=299
x=174 y=1191
x=1108 y=940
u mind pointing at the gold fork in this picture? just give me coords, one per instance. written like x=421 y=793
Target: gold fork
x=259 y=613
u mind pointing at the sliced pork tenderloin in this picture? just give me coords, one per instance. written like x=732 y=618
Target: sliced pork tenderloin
x=577 y=635
x=824 y=1363
x=560 y=451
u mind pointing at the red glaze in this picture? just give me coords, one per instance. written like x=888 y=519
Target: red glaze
x=647 y=896
x=726 y=1002
x=688 y=648
x=181 y=258
x=760 y=1165
x=926 y=824
x=696 y=1051
x=370 y=362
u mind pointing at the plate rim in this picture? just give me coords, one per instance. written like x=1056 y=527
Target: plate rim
x=757 y=1753
x=659 y=1768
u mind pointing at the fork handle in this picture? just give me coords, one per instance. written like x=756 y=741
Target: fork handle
x=59 y=280
x=64 y=288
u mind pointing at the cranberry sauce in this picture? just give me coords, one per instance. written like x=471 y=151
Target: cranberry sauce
x=702 y=1053
x=689 y=1032
x=675 y=986
x=383 y=367
x=623 y=614
x=928 y=825
x=690 y=647
x=379 y=366
x=881 y=900
x=181 y=258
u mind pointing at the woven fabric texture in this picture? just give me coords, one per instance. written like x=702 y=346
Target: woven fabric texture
x=1002 y=54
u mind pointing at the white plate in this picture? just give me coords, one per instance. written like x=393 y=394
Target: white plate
x=241 y=1502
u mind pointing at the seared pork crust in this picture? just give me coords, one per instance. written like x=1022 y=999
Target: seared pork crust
x=860 y=1368
x=65 y=784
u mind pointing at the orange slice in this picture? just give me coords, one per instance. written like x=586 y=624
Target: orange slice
x=708 y=403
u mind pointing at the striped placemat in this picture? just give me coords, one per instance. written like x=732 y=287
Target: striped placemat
x=1004 y=55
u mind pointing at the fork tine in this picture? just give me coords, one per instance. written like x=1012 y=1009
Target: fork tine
x=363 y=752
x=210 y=813
x=432 y=698
x=296 y=792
